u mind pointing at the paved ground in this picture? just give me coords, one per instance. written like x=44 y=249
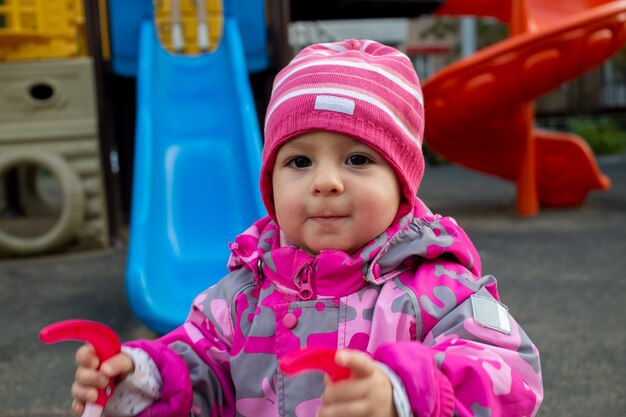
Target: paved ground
x=562 y=274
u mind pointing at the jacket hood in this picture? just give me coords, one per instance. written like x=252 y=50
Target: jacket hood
x=418 y=235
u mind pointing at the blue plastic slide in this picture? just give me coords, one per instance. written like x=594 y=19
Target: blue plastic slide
x=197 y=161
x=125 y=17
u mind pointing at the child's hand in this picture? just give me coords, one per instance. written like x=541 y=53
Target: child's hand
x=88 y=379
x=367 y=392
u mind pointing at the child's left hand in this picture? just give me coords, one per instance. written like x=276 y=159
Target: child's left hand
x=368 y=392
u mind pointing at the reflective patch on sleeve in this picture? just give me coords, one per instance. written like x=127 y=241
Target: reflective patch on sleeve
x=490 y=313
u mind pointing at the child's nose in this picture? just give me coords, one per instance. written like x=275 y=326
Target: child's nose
x=327 y=180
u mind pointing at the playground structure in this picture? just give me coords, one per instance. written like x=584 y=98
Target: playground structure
x=480 y=111
x=197 y=138
x=38 y=29
x=187 y=28
x=49 y=128
x=197 y=161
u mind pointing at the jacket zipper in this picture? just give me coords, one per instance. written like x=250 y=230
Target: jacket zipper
x=305 y=289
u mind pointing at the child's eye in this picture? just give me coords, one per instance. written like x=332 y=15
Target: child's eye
x=358 y=160
x=299 y=162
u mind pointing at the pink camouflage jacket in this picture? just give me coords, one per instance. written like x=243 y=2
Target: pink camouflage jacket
x=414 y=298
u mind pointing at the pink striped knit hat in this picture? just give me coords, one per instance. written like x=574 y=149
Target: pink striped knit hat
x=358 y=88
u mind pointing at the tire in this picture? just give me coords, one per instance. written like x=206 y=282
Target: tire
x=31 y=201
x=72 y=213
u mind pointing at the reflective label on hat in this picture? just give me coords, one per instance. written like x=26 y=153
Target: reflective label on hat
x=336 y=104
x=490 y=313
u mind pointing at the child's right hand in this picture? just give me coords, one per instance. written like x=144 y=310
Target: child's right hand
x=88 y=378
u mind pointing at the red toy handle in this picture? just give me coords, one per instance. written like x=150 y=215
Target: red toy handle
x=102 y=338
x=314 y=359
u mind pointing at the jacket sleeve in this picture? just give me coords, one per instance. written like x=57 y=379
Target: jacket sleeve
x=473 y=357
x=193 y=359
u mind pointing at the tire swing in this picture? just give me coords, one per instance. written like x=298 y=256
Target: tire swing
x=72 y=213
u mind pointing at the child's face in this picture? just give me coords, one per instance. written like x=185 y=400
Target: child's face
x=333 y=192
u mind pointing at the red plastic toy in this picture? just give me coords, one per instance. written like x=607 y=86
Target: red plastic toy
x=314 y=359
x=102 y=338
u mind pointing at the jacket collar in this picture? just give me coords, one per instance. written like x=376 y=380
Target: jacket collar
x=333 y=273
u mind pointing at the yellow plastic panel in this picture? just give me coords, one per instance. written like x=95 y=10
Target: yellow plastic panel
x=189 y=26
x=37 y=29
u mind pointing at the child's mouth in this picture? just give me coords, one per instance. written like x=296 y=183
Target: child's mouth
x=325 y=220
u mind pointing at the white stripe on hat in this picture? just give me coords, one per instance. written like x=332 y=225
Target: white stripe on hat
x=333 y=46
x=349 y=93
x=394 y=54
x=365 y=45
x=415 y=93
x=323 y=52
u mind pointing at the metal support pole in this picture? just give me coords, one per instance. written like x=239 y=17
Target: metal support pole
x=468 y=36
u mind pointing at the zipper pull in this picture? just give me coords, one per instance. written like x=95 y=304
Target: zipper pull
x=306 y=290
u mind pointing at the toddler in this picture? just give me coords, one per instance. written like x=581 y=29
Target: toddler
x=348 y=258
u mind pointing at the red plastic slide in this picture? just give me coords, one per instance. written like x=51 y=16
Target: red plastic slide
x=479 y=110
